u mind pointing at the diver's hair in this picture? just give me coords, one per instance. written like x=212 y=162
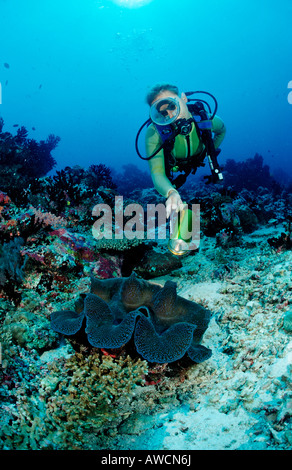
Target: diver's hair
x=158 y=88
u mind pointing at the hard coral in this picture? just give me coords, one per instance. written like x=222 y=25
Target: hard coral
x=11 y=268
x=60 y=404
x=23 y=159
x=48 y=219
x=283 y=241
x=165 y=325
x=4 y=199
x=99 y=175
x=249 y=174
x=72 y=186
x=29 y=330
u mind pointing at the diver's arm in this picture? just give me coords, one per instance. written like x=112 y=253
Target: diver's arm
x=156 y=164
x=219 y=130
x=159 y=178
x=160 y=181
x=164 y=186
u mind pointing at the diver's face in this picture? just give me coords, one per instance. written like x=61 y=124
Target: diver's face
x=184 y=112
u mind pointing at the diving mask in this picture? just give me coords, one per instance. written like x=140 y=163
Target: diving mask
x=164 y=111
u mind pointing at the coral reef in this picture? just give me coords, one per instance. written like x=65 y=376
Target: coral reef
x=243 y=390
x=73 y=186
x=241 y=397
x=99 y=176
x=249 y=174
x=165 y=325
x=23 y=159
x=81 y=397
x=69 y=400
x=131 y=179
x=11 y=268
x=30 y=330
x=284 y=240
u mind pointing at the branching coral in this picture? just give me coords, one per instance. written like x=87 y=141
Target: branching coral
x=70 y=399
x=72 y=191
x=65 y=188
x=29 y=330
x=99 y=175
x=23 y=159
x=48 y=219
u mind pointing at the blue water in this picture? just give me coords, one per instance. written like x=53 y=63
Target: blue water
x=81 y=69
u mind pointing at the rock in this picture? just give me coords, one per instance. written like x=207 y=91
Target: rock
x=154 y=264
x=288 y=435
x=287 y=324
x=137 y=424
x=248 y=220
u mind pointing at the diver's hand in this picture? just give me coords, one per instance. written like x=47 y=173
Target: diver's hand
x=173 y=203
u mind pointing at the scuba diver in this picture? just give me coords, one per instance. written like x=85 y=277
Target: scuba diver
x=179 y=136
